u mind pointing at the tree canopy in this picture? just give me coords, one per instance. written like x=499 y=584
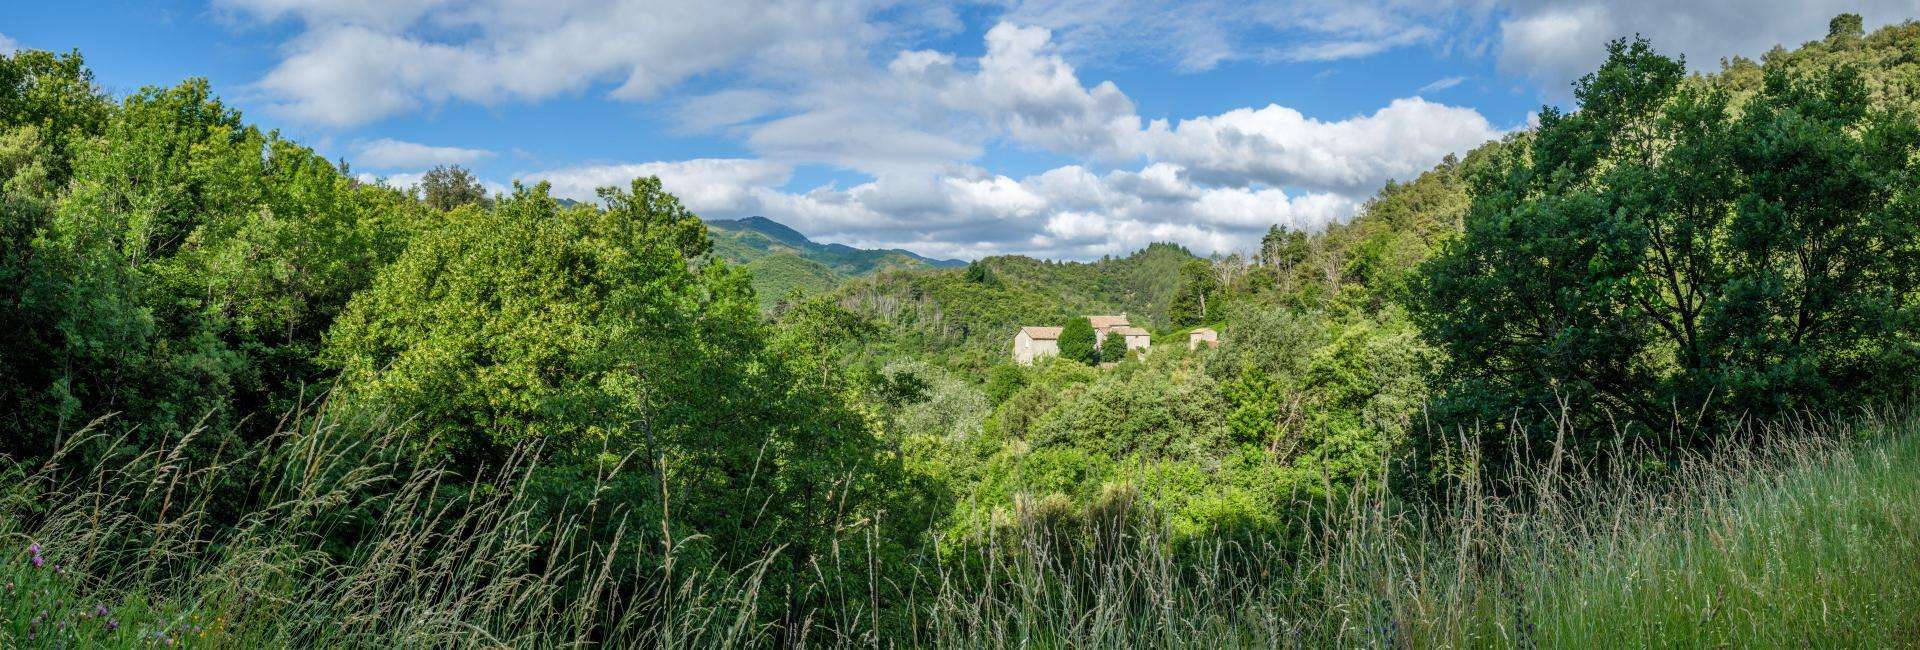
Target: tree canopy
x=1113 y=348
x=1658 y=251
x=1077 y=341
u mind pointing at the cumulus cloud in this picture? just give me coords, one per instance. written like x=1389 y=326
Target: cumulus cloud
x=803 y=88
x=1067 y=212
x=1071 y=212
x=387 y=153
x=1034 y=96
x=1279 y=146
x=929 y=110
x=8 y=45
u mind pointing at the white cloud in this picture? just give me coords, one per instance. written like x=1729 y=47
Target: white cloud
x=358 y=60
x=930 y=110
x=387 y=153
x=804 y=88
x=1335 y=50
x=1070 y=211
x=1440 y=84
x=1033 y=96
x=8 y=45
x=706 y=185
x=916 y=123
x=843 y=84
x=1279 y=146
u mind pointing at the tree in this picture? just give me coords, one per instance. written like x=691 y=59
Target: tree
x=56 y=95
x=1077 y=341
x=1003 y=381
x=639 y=363
x=446 y=188
x=1283 y=248
x=978 y=273
x=1653 y=254
x=185 y=275
x=1846 y=29
x=1113 y=348
x=1197 y=284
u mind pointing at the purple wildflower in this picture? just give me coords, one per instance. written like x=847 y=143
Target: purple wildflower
x=113 y=624
x=99 y=610
x=37 y=561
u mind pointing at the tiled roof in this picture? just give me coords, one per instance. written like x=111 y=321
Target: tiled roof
x=1101 y=322
x=1042 y=333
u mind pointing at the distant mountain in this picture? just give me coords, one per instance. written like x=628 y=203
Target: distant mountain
x=781 y=258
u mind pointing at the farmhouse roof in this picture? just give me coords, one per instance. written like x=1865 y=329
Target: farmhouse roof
x=1041 y=333
x=1102 y=322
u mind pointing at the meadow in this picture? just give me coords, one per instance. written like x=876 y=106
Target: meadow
x=1806 y=540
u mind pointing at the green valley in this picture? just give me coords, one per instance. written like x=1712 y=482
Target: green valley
x=1639 y=373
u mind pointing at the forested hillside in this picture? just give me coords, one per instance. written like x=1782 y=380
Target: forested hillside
x=966 y=317
x=1643 y=373
x=783 y=260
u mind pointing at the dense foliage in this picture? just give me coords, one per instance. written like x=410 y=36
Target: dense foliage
x=168 y=263
x=1077 y=341
x=1663 y=250
x=965 y=318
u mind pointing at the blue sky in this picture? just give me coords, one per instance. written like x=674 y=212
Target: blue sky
x=1058 y=128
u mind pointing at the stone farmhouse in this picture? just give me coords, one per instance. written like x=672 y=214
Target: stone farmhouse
x=1031 y=343
x=1202 y=336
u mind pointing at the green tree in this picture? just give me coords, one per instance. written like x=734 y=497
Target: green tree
x=186 y=275
x=1003 y=381
x=1653 y=254
x=1846 y=29
x=614 y=339
x=1197 y=285
x=448 y=187
x=978 y=273
x=1113 y=348
x=1077 y=341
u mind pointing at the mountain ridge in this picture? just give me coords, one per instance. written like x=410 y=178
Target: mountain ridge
x=783 y=259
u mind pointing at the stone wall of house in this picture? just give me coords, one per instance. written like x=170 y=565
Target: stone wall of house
x=1026 y=349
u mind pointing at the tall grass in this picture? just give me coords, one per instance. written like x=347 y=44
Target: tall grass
x=1811 y=537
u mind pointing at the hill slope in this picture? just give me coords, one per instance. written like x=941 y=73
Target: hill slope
x=975 y=311
x=782 y=259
